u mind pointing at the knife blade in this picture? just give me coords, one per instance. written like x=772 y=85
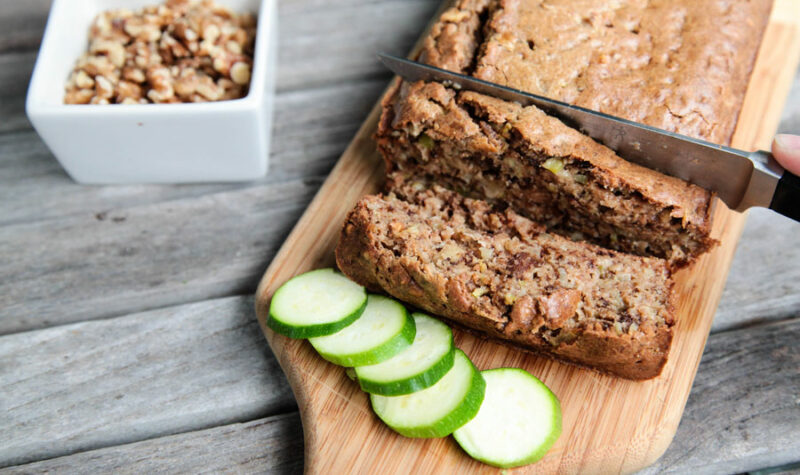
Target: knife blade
x=741 y=179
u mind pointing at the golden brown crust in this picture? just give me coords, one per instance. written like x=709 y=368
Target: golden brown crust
x=454 y=39
x=678 y=65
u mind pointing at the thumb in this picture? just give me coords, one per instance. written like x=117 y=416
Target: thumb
x=786 y=149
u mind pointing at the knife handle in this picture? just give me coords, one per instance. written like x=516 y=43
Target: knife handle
x=786 y=199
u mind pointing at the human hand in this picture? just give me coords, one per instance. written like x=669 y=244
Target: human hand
x=786 y=150
x=786 y=200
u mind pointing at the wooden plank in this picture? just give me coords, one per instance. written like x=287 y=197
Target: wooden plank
x=143 y=257
x=742 y=414
x=764 y=282
x=22 y=24
x=89 y=385
x=627 y=425
x=312 y=127
x=317 y=48
x=15 y=73
x=301 y=148
x=744 y=409
x=270 y=445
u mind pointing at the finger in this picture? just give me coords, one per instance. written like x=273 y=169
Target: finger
x=786 y=149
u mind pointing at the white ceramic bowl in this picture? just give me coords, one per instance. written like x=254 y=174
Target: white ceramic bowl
x=151 y=143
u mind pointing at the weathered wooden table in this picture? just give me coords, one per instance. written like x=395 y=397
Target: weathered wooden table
x=129 y=341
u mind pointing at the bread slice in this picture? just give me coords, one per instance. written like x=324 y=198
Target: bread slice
x=497 y=272
x=505 y=153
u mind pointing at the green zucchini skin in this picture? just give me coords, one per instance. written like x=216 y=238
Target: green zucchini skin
x=282 y=323
x=493 y=429
x=411 y=384
x=311 y=331
x=465 y=410
x=377 y=354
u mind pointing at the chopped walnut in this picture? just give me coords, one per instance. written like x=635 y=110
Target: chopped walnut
x=240 y=73
x=454 y=15
x=181 y=51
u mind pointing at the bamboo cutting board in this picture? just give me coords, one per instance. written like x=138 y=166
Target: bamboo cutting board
x=609 y=424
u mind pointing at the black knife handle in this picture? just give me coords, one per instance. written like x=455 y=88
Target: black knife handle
x=786 y=199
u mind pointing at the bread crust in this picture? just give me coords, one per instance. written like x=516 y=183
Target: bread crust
x=680 y=65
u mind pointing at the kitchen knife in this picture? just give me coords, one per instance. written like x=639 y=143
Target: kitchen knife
x=741 y=179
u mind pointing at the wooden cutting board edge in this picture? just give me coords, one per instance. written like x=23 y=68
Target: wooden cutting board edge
x=311 y=244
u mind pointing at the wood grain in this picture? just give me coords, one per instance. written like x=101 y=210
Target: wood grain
x=270 y=445
x=328 y=78
x=315 y=50
x=22 y=24
x=108 y=263
x=764 y=281
x=610 y=425
x=15 y=72
x=744 y=409
x=325 y=42
x=313 y=126
x=96 y=384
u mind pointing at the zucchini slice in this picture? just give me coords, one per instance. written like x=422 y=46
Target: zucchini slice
x=383 y=330
x=419 y=366
x=317 y=303
x=438 y=410
x=518 y=422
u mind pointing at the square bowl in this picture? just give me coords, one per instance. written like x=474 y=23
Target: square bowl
x=151 y=143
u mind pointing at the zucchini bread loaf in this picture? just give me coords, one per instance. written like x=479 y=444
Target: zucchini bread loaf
x=510 y=222
x=499 y=273
x=678 y=65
